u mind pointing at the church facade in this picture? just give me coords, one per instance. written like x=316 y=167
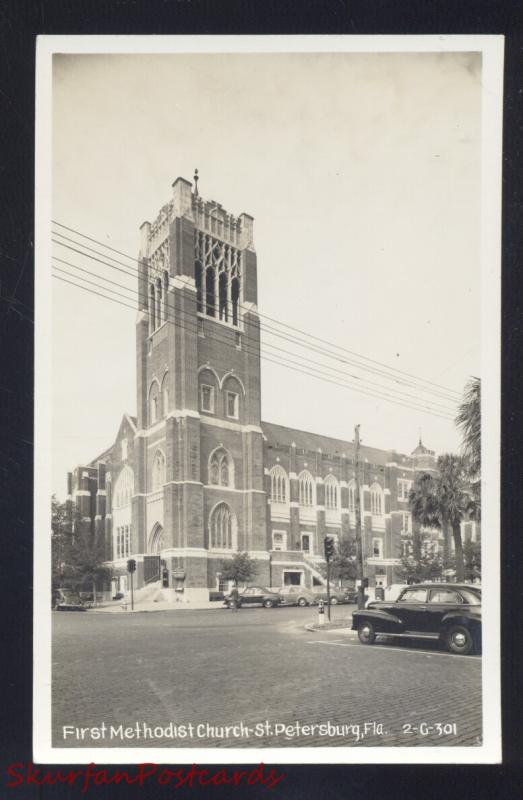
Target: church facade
x=197 y=475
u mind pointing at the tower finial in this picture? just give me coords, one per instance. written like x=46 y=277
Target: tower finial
x=419 y=429
x=196 y=178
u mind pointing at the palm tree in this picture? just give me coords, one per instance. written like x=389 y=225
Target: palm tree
x=443 y=501
x=469 y=421
x=424 y=510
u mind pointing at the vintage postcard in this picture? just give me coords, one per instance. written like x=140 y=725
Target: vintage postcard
x=267 y=399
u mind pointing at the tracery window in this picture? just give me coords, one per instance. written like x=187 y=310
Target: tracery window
x=221 y=468
x=124 y=488
x=222 y=528
x=331 y=492
x=218 y=265
x=279 y=485
x=306 y=488
x=376 y=499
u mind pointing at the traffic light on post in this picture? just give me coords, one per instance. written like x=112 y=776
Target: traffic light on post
x=328 y=545
x=131 y=565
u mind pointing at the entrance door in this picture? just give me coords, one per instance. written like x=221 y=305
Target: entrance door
x=305 y=542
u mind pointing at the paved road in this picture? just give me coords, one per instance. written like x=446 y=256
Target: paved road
x=259 y=672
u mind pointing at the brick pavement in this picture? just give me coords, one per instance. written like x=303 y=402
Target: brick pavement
x=254 y=667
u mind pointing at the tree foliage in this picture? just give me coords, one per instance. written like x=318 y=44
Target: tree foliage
x=468 y=420
x=240 y=569
x=343 y=563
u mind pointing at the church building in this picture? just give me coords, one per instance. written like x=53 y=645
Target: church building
x=197 y=475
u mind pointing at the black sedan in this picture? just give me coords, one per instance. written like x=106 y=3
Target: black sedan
x=255 y=596
x=448 y=612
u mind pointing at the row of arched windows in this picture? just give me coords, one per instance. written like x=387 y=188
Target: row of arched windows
x=307 y=491
x=158 y=301
x=216 y=294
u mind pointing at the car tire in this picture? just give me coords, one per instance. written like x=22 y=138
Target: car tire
x=302 y=602
x=334 y=601
x=268 y=603
x=231 y=604
x=459 y=640
x=366 y=632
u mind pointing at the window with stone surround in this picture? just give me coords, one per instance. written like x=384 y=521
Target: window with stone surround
x=122 y=542
x=158 y=471
x=404 y=488
x=331 y=493
x=221 y=468
x=279 y=485
x=222 y=528
x=279 y=540
x=377 y=548
x=306 y=488
x=124 y=488
x=376 y=500
x=232 y=405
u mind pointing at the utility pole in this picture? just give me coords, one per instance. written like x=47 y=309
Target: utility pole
x=357 y=503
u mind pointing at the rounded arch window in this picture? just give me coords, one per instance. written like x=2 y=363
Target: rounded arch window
x=306 y=488
x=331 y=492
x=222 y=528
x=221 y=468
x=376 y=499
x=279 y=485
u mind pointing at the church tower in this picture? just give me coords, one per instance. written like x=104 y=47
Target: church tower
x=198 y=455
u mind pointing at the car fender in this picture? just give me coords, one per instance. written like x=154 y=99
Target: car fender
x=459 y=618
x=383 y=621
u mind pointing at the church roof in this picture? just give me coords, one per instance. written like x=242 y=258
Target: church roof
x=304 y=440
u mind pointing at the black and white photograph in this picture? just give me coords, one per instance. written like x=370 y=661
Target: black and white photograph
x=267 y=353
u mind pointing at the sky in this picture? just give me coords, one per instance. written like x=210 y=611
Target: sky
x=362 y=172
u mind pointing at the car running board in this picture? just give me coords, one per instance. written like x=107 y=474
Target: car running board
x=410 y=635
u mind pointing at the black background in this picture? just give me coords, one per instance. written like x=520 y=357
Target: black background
x=20 y=22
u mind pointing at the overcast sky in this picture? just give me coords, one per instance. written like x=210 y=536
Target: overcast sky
x=362 y=172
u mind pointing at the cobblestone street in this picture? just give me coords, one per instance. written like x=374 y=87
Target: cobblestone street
x=261 y=673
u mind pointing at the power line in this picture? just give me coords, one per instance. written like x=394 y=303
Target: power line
x=399 y=395
x=278 y=322
x=134 y=273
x=266 y=358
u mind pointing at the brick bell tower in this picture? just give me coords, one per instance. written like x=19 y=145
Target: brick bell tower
x=199 y=493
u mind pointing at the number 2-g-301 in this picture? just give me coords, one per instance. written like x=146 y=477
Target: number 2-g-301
x=439 y=728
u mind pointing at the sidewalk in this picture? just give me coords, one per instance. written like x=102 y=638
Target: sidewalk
x=162 y=605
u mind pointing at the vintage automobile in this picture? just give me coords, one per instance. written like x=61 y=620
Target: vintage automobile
x=297 y=596
x=448 y=612
x=336 y=595
x=68 y=600
x=255 y=596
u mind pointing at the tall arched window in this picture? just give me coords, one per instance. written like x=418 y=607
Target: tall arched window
x=221 y=468
x=156 y=540
x=152 y=309
x=222 y=291
x=165 y=394
x=376 y=499
x=165 y=295
x=123 y=488
x=279 y=485
x=159 y=304
x=210 y=292
x=222 y=528
x=158 y=471
x=235 y=299
x=331 y=492
x=306 y=488
x=352 y=495
x=153 y=403
x=198 y=281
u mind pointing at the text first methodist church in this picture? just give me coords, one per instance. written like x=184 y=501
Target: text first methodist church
x=197 y=476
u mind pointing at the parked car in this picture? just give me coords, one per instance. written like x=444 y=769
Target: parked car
x=297 y=596
x=448 y=612
x=336 y=595
x=67 y=600
x=255 y=596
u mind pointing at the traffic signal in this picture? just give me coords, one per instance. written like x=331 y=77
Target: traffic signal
x=131 y=565
x=328 y=544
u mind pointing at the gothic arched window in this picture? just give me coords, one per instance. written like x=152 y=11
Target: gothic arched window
x=158 y=471
x=165 y=394
x=124 y=488
x=221 y=468
x=156 y=539
x=210 y=292
x=376 y=499
x=222 y=528
x=152 y=309
x=331 y=492
x=306 y=488
x=198 y=281
x=279 y=485
x=159 y=304
x=165 y=296
x=222 y=290
x=235 y=299
x=153 y=403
